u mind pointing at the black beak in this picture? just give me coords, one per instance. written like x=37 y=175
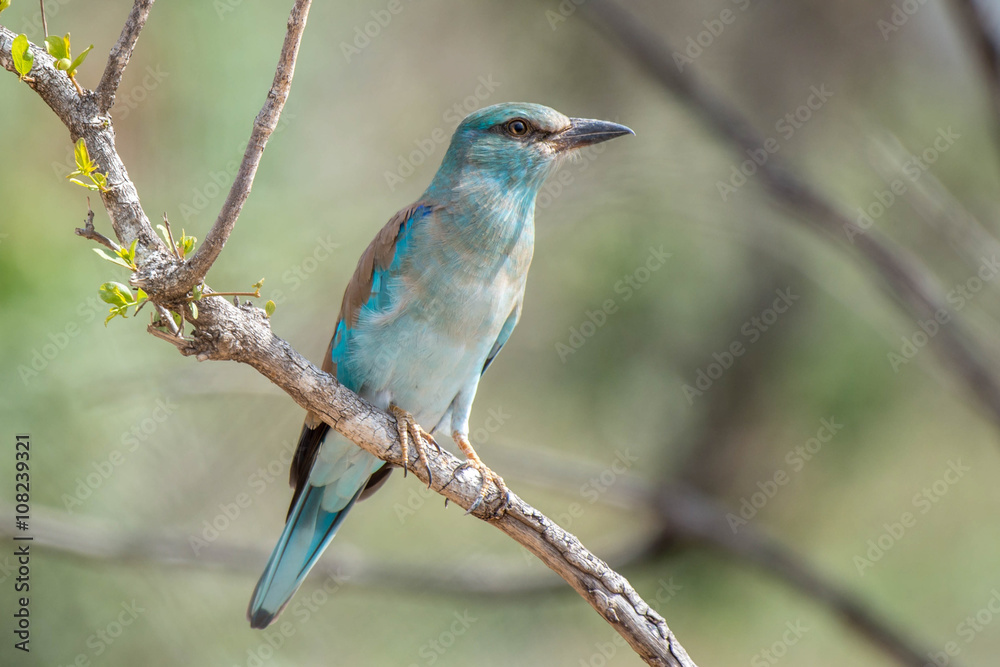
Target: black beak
x=586 y=131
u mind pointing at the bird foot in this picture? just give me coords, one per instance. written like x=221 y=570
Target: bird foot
x=473 y=461
x=409 y=430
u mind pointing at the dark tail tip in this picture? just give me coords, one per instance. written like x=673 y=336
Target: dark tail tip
x=260 y=619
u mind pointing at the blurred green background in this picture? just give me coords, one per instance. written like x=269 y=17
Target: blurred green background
x=183 y=444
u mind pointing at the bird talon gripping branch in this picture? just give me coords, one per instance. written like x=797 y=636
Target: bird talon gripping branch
x=408 y=429
x=432 y=301
x=473 y=461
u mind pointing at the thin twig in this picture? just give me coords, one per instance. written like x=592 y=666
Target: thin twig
x=195 y=269
x=256 y=294
x=45 y=25
x=88 y=231
x=243 y=334
x=120 y=54
x=908 y=279
x=170 y=237
x=174 y=339
x=167 y=320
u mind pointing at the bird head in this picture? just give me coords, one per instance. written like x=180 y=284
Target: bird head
x=516 y=145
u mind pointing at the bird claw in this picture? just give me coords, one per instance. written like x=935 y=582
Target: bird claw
x=473 y=461
x=408 y=428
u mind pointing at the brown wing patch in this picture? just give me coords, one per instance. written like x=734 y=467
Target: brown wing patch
x=377 y=256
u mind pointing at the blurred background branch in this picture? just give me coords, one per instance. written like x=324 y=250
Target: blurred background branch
x=622 y=376
x=912 y=284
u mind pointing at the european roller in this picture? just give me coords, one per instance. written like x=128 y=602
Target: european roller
x=432 y=302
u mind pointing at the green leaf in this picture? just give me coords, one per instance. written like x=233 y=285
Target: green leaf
x=196 y=293
x=113 y=260
x=82 y=157
x=58 y=47
x=22 y=55
x=116 y=294
x=128 y=255
x=186 y=244
x=257 y=285
x=100 y=181
x=89 y=186
x=4 y=4
x=269 y=308
x=194 y=310
x=78 y=60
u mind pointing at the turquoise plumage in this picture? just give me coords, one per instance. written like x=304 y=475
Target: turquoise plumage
x=432 y=302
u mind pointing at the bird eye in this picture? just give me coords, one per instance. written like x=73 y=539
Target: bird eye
x=517 y=127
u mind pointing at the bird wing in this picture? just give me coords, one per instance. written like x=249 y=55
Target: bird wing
x=505 y=332
x=364 y=288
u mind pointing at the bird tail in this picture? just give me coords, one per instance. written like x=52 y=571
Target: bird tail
x=307 y=533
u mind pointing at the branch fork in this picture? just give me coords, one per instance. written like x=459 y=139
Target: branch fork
x=224 y=331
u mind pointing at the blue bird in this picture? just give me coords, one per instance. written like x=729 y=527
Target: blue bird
x=431 y=303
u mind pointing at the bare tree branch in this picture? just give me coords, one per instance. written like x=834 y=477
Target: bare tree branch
x=688 y=517
x=243 y=334
x=120 y=54
x=984 y=42
x=905 y=276
x=194 y=270
x=88 y=231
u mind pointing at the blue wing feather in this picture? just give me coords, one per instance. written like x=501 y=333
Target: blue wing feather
x=505 y=332
x=317 y=511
